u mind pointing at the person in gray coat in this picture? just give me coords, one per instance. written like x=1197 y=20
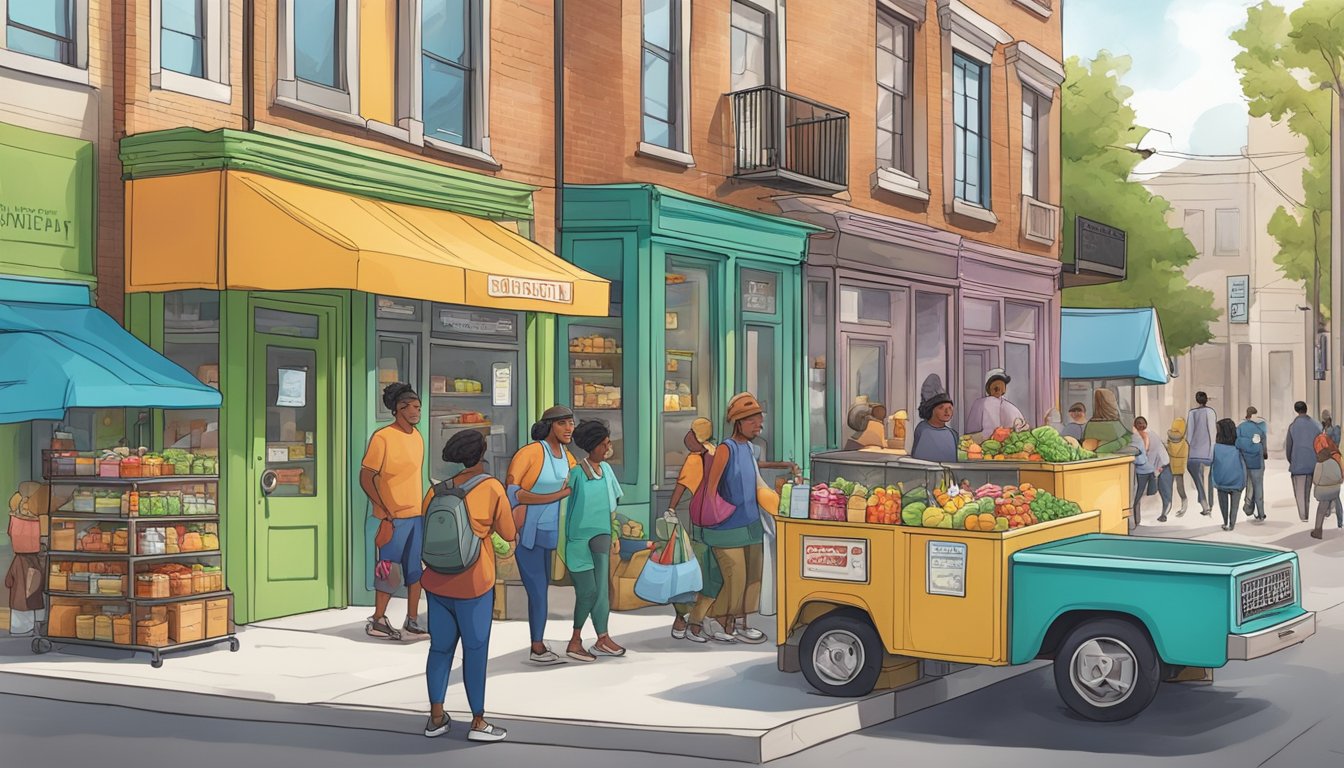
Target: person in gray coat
x=1301 y=450
x=1199 y=432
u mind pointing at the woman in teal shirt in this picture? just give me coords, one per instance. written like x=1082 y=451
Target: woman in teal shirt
x=588 y=541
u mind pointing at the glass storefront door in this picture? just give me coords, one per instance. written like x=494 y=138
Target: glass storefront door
x=688 y=381
x=597 y=381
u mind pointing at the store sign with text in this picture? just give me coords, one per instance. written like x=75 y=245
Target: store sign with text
x=1239 y=299
x=835 y=559
x=46 y=201
x=553 y=291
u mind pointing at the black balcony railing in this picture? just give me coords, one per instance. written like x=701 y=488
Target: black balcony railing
x=783 y=137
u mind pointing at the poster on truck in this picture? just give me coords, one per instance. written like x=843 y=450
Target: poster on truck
x=835 y=559
x=947 y=568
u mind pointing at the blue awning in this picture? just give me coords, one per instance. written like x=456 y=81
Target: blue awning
x=1112 y=344
x=57 y=353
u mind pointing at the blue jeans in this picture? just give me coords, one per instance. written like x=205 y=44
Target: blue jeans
x=532 y=567
x=1255 y=492
x=450 y=620
x=1199 y=470
x=408 y=538
x=1228 y=501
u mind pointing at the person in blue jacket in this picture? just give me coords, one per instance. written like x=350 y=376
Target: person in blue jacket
x=1253 y=442
x=1228 y=472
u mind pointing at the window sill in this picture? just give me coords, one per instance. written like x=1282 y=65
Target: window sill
x=313 y=109
x=973 y=211
x=1040 y=9
x=168 y=80
x=673 y=156
x=392 y=132
x=36 y=65
x=465 y=153
x=899 y=183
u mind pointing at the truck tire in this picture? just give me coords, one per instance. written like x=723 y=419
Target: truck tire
x=1107 y=670
x=841 y=654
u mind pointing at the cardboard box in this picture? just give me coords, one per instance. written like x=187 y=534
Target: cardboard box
x=151 y=633
x=61 y=620
x=217 y=617
x=623 y=578
x=186 y=621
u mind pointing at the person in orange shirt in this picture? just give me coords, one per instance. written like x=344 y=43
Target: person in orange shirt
x=462 y=605
x=392 y=476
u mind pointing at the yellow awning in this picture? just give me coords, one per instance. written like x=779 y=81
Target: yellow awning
x=233 y=229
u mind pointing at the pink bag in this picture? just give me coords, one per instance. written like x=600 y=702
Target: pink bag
x=25 y=535
x=708 y=508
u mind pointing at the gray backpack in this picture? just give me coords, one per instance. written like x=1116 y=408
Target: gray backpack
x=450 y=546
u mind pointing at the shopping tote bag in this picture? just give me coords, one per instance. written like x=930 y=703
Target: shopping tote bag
x=673 y=575
x=708 y=508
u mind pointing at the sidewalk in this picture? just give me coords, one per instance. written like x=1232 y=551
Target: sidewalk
x=666 y=696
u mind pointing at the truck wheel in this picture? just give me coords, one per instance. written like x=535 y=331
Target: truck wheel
x=1107 y=670
x=841 y=655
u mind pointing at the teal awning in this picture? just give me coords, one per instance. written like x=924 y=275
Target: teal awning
x=57 y=353
x=1112 y=344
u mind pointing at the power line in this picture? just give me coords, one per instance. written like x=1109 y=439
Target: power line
x=1196 y=156
x=1201 y=175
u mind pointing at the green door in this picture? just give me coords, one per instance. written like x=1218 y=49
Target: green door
x=292 y=471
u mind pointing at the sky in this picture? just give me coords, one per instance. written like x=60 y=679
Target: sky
x=1183 y=77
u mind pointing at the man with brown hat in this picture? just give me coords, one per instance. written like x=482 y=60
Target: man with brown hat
x=736 y=544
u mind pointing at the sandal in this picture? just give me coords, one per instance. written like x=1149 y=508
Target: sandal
x=580 y=655
x=381 y=628
x=611 y=649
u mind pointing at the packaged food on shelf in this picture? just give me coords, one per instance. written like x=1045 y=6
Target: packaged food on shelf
x=109 y=465
x=130 y=466
x=85 y=466
x=121 y=629
x=102 y=537
x=102 y=628
x=152 y=632
x=79 y=583
x=152 y=586
x=81 y=501
x=217 y=617
x=84 y=626
x=58 y=580
x=62 y=534
x=61 y=620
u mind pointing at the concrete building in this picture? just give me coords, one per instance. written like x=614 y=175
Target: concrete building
x=1261 y=357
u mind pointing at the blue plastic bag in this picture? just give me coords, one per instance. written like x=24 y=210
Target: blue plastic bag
x=677 y=581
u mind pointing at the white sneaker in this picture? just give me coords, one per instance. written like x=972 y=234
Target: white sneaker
x=749 y=635
x=696 y=637
x=488 y=733
x=432 y=730
x=678 y=634
x=714 y=631
x=546 y=659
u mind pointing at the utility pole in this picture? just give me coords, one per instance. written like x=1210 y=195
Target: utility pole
x=1336 y=364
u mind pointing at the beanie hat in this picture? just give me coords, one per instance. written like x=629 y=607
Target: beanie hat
x=931 y=395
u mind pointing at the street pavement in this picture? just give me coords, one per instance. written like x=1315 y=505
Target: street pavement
x=1283 y=711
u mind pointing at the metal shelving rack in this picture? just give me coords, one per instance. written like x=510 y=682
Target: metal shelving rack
x=131 y=557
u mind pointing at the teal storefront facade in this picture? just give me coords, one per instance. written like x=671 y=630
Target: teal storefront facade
x=706 y=302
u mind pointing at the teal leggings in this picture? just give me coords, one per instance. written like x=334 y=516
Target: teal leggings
x=592 y=591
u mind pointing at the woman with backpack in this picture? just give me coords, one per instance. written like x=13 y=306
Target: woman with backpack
x=594 y=492
x=537 y=482
x=459 y=579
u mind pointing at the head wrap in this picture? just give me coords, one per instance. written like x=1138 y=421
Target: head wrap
x=397 y=393
x=931 y=395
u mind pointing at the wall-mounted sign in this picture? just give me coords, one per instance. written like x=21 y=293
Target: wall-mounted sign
x=947 y=568
x=46 y=203
x=477 y=322
x=758 y=292
x=392 y=308
x=293 y=388
x=502 y=385
x=1099 y=248
x=553 y=291
x=1239 y=299
x=835 y=559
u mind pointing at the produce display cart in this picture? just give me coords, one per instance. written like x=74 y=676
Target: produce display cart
x=135 y=564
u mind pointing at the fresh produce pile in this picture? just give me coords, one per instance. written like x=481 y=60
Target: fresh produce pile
x=1040 y=444
x=883 y=506
x=1047 y=507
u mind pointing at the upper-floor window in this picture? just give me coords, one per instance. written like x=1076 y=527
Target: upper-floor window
x=182 y=38
x=43 y=28
x=661 y=67
x=319 y=42
x=1193 y=224
x=1227 y=232
x=1034 y=126
x=970 y=130
x=895 y=137
x=319 y=57
x=448 y=74
x=751 y=46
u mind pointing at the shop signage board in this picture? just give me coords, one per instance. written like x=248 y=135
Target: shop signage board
x=554 y=291
x=758 y=293
x=1239 y=299
x=293 y=388
x=947 y=568
x=1099 y=248
x=46 y=204
x=476 y=322
x=835 y=559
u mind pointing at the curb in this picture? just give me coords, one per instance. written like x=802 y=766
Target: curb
x=742 y=745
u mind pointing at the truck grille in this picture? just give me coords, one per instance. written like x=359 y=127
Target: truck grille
x=1262 y=592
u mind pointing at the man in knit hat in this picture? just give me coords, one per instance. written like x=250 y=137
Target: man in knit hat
x=935 y=439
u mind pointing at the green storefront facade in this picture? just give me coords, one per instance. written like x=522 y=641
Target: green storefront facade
x=309 y=546
x=706 y=302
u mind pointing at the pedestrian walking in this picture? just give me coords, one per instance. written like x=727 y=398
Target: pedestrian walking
x=392 y=476
x=1200 y=434
x=698 y=442
x=1326 y=479
x=1145 y=483
x=588 y=542
x=461 y=586
x=1253 y=442
x=1227 y=472
x=1329 y=427
x=537 y=482
x=1179 y=451
x=1300 y=449
x=737 y=543
x=1161 y=463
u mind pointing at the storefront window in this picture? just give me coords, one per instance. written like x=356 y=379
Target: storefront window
x=396 y=358
x=761 y=362
x=931 y=338
x=474 y=376
x=867 y=371
x=1021 y=319
x=595 y=355
x=818 y=342
x=291 y=420
x=190 y=339
x=1022 y=392
x=980 y=316
x=688 y=383
x=865 y=305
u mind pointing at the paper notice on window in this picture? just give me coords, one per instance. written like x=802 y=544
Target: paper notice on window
x=835 y=559
x=502 y=378
x=947 y=568
x=293 y=389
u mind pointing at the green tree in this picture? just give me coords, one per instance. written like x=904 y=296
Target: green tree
x=1284 y=63
x=1097 y=124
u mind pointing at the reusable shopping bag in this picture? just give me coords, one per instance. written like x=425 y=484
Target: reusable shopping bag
x=671 y=576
